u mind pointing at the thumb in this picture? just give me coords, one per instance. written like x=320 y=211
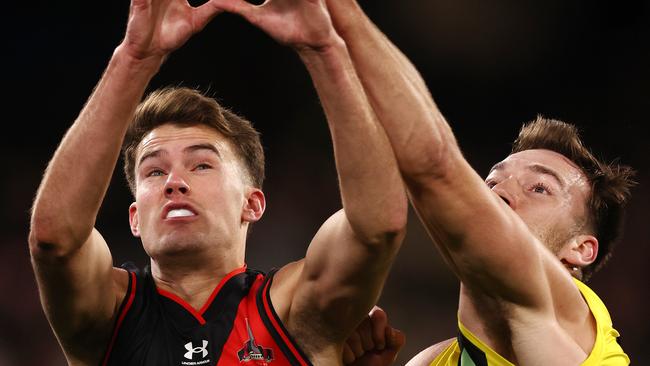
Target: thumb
x=204 y=14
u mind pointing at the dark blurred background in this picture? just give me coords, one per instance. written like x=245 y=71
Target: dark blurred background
x=489 y=65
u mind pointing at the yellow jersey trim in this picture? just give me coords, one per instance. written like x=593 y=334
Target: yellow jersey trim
x=493 y=358
x=605 y=352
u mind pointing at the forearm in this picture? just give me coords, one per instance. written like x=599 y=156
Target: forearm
x=78 y=175
x=371 y=188
x=418 y=132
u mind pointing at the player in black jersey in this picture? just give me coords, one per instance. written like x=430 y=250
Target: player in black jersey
x=196 y=173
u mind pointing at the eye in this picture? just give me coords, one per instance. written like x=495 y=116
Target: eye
x=491 y=183
x=540 y=188
x=155 y=173
x=203 y=166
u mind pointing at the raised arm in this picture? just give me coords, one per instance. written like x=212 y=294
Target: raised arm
x=347 y=262
x=474 y=229
x=79 y=289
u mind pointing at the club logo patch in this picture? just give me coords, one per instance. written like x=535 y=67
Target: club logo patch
x=253 y=352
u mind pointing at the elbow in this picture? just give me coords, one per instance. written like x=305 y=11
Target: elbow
x=395 y=229
x=386 y=233
x=392 y=238
x=43 y=244
x=436 y=163
x=50 y=242
x=434 y=153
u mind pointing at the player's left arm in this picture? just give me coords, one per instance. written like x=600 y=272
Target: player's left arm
x=347 y=262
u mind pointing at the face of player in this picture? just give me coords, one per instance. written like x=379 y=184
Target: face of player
x=546 y=190
x=192 y=193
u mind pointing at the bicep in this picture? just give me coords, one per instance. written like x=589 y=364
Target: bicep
x=79 y=292
x=341 y=277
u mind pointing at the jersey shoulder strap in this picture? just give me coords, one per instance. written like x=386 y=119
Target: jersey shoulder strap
x=274 y=324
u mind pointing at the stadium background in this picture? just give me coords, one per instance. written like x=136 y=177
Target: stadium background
x=489 y=65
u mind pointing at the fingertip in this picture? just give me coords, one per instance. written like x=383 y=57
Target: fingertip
x=377 y=312
x=348 y=355
x=375 y=308
x=398 y=338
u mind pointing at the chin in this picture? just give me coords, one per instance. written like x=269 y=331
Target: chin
x=175 y=247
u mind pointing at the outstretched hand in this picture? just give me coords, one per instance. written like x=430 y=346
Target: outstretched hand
x=301 y=24
x=158 y=27
x=374 y=342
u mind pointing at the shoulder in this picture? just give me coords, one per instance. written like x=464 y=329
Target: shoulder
x=122 y=278
x=126 y=279
x=596 y=305
x=425 y=357
x=89 y=345
x=285 y=280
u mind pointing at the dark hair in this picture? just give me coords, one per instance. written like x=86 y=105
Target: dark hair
x=188 y=107
x=610 y=182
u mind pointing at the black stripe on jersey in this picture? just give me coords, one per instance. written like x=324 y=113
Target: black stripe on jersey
x=269 y=325
x=129 y=267
x=474 y=352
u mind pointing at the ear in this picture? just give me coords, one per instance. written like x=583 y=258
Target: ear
x=133 y=220
x=581 y=251
x=254 y=206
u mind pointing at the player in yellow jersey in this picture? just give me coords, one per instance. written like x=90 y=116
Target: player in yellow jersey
x=521 y=241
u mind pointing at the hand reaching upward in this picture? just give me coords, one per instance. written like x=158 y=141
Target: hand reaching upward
x=301 y=24
x=158 y=27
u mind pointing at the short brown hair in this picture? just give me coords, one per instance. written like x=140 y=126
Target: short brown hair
x=610 y=182
x=188 y=107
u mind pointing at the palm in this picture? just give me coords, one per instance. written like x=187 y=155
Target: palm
x=299 y=23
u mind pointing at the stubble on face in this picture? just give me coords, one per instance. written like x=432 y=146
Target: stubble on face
x=557 y=236
x=211 y=228
x=552 y=228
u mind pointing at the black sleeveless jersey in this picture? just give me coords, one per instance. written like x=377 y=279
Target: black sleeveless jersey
x=236 y=326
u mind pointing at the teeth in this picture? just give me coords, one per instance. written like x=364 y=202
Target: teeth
x=180 y=213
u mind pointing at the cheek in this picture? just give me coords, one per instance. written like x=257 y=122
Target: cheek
x=147 y=189
x=223 y=188
x=538 y=218
x=145 y=201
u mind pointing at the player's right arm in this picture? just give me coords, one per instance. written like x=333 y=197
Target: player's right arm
x=483 y=240
x=79 y=289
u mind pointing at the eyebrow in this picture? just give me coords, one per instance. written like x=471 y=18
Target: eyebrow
x=497 y=166
x=189 y=149
x=204 y=146
x=536 y=168
x=150 y=155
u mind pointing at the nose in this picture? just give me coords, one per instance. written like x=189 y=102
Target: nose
x=506 y=190
x=175 y=184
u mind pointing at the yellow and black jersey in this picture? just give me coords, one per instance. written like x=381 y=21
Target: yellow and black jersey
x=468 y=350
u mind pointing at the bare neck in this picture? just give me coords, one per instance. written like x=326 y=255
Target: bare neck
x=194 y=279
